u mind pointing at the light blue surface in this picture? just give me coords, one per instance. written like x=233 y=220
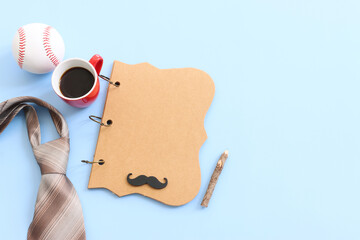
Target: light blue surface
x=286 y=107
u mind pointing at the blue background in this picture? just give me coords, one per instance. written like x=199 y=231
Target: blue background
x=286 y=107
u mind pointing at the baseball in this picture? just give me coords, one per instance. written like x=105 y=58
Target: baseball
x=38 y=48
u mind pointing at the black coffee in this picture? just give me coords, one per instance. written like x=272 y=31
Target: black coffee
x=76 y=82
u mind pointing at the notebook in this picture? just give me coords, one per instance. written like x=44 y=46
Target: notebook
x=156 y=129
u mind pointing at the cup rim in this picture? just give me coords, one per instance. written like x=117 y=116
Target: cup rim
x=54 y=81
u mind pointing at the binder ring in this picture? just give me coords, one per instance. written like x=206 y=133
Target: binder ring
x=116 y=84
x=100 y=162
x=108 y=122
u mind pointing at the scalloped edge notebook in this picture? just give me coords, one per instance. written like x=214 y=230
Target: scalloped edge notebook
x=157 y=130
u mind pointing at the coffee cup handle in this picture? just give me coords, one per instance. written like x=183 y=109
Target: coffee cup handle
x=97 y=62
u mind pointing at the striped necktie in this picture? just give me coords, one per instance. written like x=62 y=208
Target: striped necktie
x=58 y=214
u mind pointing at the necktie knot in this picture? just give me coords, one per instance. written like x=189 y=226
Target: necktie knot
x=52 y=156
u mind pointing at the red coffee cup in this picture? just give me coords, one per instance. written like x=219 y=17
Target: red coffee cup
x=93 y=66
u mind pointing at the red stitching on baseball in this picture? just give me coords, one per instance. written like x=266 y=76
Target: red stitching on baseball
x=21 y=49
x=47 y=46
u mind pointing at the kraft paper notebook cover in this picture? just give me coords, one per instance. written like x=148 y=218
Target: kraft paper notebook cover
x=157 y=130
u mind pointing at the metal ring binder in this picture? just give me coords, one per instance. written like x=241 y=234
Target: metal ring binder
x=100 y=162
x=116 y=84
x=107 y=124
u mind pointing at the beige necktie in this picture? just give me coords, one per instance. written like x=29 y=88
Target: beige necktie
x=58 y=214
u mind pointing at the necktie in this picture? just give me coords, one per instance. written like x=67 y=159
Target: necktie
x=58 y=214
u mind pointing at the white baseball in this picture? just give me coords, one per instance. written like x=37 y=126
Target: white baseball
x=38 y=48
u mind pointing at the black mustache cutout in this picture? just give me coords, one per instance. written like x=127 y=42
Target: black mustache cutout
x=142 y=179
